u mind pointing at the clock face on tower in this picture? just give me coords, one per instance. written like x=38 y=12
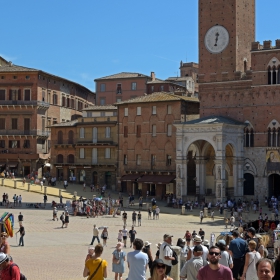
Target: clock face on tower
x=216 y=39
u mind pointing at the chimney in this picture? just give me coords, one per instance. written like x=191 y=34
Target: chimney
x=153 y=76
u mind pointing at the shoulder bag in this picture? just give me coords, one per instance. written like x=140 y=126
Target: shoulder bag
x=91 y=277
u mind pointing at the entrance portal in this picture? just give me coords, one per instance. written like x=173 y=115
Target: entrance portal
x=274 y=185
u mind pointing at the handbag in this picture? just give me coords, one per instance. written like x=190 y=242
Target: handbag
x=91 y=277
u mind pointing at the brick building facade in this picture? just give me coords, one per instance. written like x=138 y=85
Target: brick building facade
x=86 y=149
x=236 y=142
x=31 y=100
x=147 y=142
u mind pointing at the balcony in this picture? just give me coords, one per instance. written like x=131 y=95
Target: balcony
x=98 y=143
x=112 y=162
x=34 y=132
x=24 y=103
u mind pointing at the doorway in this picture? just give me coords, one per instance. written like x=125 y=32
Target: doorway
x=249 y=184
x=274 y=185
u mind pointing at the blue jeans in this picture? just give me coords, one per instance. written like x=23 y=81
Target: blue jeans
x=21 y=240
x=93 y=238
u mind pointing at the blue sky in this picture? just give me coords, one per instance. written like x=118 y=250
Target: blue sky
x=83 y=40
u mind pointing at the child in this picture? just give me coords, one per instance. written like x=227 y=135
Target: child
x=120 y=236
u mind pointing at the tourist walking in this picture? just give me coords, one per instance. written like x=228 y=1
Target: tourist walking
x=251 y=258
x=137 y=261
x=238 y=249
x=124 y=217
x=55 y=214
x=166 y=253
x=226 y=258
x=191 y=268
x=214 y=270
x=20 y=219
x=147 y=249
x=134 y=215
x=66 y=219
x=118 y=261
x=132 y=234
x=139 y=216
x=22 y=233
x=124 y=234
x=198 y=241
x=105 y=236
x=265 y=269
x=96 y=267
x=184 y=251
x=95 y=235
x=62 y=219
x=201 y=216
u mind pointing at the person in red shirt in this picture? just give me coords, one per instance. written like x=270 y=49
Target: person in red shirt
x=7 y=270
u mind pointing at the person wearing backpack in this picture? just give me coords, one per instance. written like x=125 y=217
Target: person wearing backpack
x=8 y=269
x=166 y=253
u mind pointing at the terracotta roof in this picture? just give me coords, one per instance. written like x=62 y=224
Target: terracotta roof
x=158 y=97
x=16 y=68
x=123 y=75
x=100 y=108
x=158 y=81
x=179 y=78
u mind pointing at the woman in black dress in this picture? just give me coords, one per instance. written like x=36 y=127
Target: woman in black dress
x=66 y=219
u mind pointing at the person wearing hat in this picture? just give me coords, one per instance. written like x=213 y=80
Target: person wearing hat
x=191 y=268
x=8 y=270
x=157 y=253
x=198 y=241
x=118 y=261
x=158 y=271
x=147 y=249
x=166 y=253
x=4 y=246
x=206 y=243
x=226 y=258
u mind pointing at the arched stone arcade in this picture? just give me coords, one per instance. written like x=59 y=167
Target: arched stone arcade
x=209 y=158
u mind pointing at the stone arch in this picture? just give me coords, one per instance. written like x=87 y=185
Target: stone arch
x=250 y=167
x=274 y=62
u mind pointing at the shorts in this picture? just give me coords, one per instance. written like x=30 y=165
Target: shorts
x=124 y=237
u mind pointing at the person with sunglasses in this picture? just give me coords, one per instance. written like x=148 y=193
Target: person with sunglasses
x=158 y=271
x=4 y=245
x=214 y=270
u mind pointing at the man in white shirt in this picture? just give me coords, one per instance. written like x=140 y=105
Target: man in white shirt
x=198 y=241
x=166 y=253
x=157 y=213
x=95 y=235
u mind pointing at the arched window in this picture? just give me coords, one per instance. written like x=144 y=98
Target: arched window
x=70 y=159
x=269 y=137
x=269 y=76
x=274 y=72
x=71 y=137
x=249 y=135
x=60 y=137
x=59 y=158
x=273 y=135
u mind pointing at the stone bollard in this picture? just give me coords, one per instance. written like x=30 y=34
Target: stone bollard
x=15 y=184
x=59 y=193
x=45 y=190
x=28 y=187
x=183 y=210
x=175 y=270
x=2 y=182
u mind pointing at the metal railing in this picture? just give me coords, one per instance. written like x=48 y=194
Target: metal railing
x=33 y=132
x=25 y=102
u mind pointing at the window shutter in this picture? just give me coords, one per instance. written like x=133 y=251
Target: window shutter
x=94 y=135
x=10 y=94
x=19 y=94
x=94 y=156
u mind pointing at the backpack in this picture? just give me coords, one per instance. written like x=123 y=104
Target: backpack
x=174 y=255
x=22 y=277
x=61 y=217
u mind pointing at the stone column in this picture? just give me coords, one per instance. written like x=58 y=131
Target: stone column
x=175 y=270
x=220 y=164
x=15 y=184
